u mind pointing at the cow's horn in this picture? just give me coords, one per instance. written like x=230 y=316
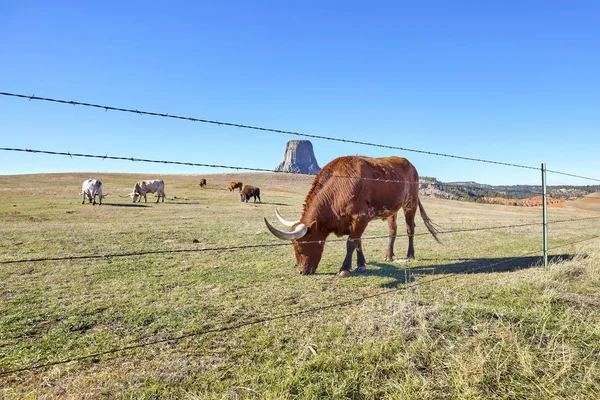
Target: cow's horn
x=297 y=234
x=283 y=220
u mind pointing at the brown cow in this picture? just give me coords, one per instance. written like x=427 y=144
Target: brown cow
x=202 y=182
x=234 y=185
x=250 y=191
x=344 y=205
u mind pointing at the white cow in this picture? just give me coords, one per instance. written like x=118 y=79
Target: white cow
x=141 y=188
x=92 y=188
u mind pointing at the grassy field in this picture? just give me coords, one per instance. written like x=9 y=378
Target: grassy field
x=474 y=318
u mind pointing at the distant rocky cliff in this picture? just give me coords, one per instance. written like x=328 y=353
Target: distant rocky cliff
x=299 y=157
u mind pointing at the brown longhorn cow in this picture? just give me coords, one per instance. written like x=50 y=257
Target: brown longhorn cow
x=235 y=185
x=346 y=195
x=202 y=182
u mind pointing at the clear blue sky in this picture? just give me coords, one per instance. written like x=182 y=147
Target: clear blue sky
x=513 y=81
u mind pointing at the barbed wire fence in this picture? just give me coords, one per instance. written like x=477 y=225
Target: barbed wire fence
x=262 y=320
x=268 y=245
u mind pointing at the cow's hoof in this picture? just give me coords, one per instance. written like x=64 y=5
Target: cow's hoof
x=343 y=274
x=361 y=269
x=387 y=258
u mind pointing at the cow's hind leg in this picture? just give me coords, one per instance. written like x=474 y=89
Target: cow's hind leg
x=392 y=229
x=409 y=216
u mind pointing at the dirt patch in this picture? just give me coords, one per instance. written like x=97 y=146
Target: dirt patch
x=588 y=203
x=535 y=201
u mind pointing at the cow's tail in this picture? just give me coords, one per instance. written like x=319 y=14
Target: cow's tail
x=429 y=223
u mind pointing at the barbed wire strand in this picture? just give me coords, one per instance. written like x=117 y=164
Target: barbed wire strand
x=442 y=185
x=244 y=247
x=235 y=125
x=274 y=318
x=194 y=164
x=247 y=323
x=266 y=245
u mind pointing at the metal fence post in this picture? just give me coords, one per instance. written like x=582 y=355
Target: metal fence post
x=544 y=216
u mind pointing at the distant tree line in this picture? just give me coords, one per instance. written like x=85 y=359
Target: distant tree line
x=472 y=191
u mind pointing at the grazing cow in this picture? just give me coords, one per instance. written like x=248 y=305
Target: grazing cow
x=250 y=191
x=202 y=182
x=234 y=185
x=142 y=188
x=345 y=196
x=92 y=188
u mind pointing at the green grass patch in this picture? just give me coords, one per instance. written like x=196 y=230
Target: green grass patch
x=474 y=318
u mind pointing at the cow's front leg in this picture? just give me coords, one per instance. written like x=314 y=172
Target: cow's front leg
x=356 y=230
x=347 y=264
x=392 y=229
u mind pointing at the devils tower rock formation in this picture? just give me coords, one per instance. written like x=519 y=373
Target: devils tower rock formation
x=299 y=157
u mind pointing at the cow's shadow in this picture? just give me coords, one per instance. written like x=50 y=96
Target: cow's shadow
x=405 y=273
x=125 y=205
x=187 y=202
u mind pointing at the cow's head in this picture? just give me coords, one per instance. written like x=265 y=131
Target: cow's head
x=307 y=240
x=134 y=196
x=243 y=197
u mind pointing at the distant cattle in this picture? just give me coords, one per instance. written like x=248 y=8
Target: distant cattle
x=234 y=185
x=202 y=182
x=142 y=188
x=92 y=188
x=250 y=191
